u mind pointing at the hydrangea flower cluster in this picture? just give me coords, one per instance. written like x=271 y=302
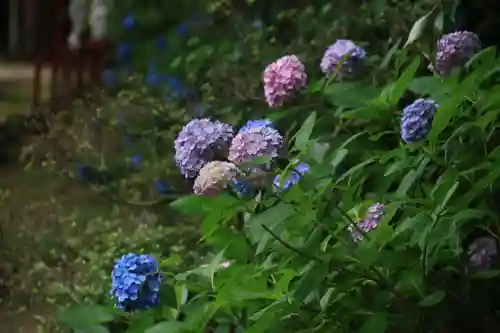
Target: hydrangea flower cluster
x=255 y=123
x=416 y=121
x=292 y=177
x=214 y=177
x=371 y=221
x=136 y=282
x=481 y=251
x=344 y=51
x=282 y=79
x=255 y=142
x=200 y=142
x=455 y=49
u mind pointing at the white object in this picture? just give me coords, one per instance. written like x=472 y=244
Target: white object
x=87 y=13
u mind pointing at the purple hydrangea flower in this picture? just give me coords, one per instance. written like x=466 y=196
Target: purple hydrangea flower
x=371 y=221
x=255 y=142
x=416 y=121
x=346 y=51
x=136 y=282
x=255 y=123
x=292 y=177
x=200 y=142
x=214 y=177
x=282 y=79
x=481 y=251
x=455 y=49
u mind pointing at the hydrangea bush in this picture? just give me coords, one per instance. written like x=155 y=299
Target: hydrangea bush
x=352 y=205
x=392 y=228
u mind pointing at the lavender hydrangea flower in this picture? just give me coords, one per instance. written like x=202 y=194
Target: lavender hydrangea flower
x=481 y=251
x=371 y=221
x=416 y=121
x=282 y=79
x=455 y=49
x=136 y=282
x=200 y=142
x=255 y=123
x=346 y=51
x=214 y=177
x=292 y=178
x=255 y=142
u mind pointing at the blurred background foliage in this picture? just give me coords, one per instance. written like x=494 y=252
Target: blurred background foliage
x=171 y=62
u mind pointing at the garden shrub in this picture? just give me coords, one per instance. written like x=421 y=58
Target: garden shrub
x=362 y=204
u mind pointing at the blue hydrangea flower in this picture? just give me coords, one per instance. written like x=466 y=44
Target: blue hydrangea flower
x=182 y=29
x=455 y=49
x=127 y=141
x=255 y=123
x=162 y=187
x=154 y=79
x=109 y=78
x=199 y=142
x=129 y=21
x=161 y=42
x=136 y=160
x=82 y=170
x=124 y=51
x=371 y=221
x=346 y=51
x=416 y=121
x=136 y=282
x=241 y=187
x=175 y=84
x=292 y=178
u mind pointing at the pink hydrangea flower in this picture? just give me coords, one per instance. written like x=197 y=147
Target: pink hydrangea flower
x=214 y=177
x=282 y=79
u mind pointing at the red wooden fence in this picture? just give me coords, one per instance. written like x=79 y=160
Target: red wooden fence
x=67 y=67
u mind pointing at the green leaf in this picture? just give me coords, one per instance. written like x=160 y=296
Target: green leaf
x=376 y=323
x=198 y=317
x=271 y=218
x=141 y=324
x=486 y=274
x=433 y=299
x=92 y=329
x=425 y=85
x=355 y=168
x=86 y=315
x=167 y=326
x=304 y=133
x=196 y=204
x=214 y=266
x=351 y=95
x=410 y=178
x=395 y=91
x=419 y=27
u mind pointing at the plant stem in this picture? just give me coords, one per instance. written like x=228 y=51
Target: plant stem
x=290 y=247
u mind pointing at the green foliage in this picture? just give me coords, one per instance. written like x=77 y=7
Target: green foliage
x=287 y=261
